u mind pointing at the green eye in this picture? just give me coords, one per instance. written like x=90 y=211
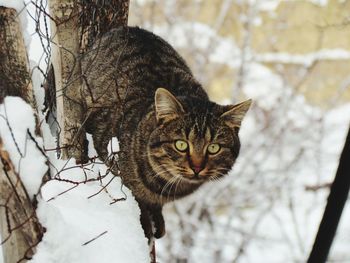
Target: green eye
x=181 y=145
x=213 y=148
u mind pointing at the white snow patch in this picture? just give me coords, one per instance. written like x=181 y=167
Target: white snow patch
x=19 y=5
x=182 y=34
x=16 y=118
x=83 y=203
x=268 y=5
x=303 y=59
x=35 y=49
x=319 y=2
x=226 y=52
x=264 y=87
x=142 y=2
x=113 y=146
x=92 y=151
x=73 y=219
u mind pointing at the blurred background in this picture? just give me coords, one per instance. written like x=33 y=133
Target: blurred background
x=293 y=59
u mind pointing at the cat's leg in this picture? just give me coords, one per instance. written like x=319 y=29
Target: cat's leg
x=146 y=221
x=101 y=139
x=98 y=125
x=158 y=221
x=101 y=143
x=82 y=146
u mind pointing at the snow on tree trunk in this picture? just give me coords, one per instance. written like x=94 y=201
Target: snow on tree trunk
x=19 y=227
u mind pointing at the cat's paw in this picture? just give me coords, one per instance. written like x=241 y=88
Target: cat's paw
x=160 y=232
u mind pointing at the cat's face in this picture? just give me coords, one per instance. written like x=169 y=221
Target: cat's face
x=194 y=143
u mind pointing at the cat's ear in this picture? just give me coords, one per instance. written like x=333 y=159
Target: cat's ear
x=234 y=115
x=167 y=106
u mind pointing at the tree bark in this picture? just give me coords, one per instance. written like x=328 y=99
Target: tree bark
x=14 y=70
x=66 y=69
x=19 y=227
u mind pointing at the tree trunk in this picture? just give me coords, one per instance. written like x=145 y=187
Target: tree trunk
x=75 y=27
x=14 y=77
x=66 y=69
x=19 y=227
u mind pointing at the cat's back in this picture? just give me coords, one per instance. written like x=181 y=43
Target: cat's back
x=130 y=61
x=134 y=44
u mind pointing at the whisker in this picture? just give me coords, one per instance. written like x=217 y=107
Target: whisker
x=176 y=182
x=167 y=171
x=162 y=172
x=180 y=179
x=216 y=177
x=169 y=183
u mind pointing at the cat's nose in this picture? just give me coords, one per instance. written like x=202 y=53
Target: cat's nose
x=196 y=164
x=196 y=169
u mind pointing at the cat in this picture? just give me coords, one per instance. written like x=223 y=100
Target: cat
x=172 y=137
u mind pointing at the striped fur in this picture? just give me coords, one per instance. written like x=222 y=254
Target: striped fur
x=121 y=75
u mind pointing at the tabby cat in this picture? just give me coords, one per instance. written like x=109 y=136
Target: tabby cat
x=172 y=137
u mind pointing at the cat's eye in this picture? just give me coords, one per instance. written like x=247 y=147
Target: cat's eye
x=181 y=145
x=213 y=148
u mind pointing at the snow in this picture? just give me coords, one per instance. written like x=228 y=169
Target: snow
x=16 y=119
x=113 y=146
x=304 y=59
x=265 y=5
x=271 y=5
x=19 y=5
x=180 y=35
x=319 y=2
x=81 y=214
x=263 y=86
x=180 y=31
x=141 y=2
x=78 y=216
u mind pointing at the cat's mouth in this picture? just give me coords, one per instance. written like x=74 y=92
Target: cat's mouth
x=194 y=178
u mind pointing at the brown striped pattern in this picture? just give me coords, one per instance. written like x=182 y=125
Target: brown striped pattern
x=121 y=74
